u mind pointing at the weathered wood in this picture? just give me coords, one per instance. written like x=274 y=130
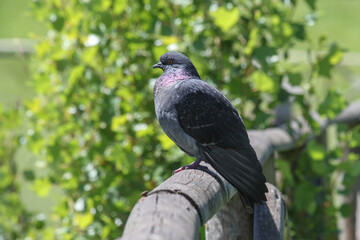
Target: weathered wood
x=163 y=215
x=357 y=211
x=346 y=225
x=230 y=222
x=265 y=142
x=163 y=211
x=351 y=114
x=269 y=219
x=349 y=227
x=269 y=170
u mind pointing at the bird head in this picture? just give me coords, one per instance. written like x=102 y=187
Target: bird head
x=172 y=62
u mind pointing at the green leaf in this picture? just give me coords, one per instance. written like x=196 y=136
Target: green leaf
x=117 y=122
x=354 y=170
x=355 y=137
x=262 y=82
x=42 y=187
x=326 y=63
x=311 y=4
x=336 y=57
x=76 y=74
x=105 y=232
x=316 y=151
x=57 y=22
x=286 y=29
x=304 y=196
x=112 y=81
x=119 y=6
x=253 y=38
x=89 y=55
x=284 y=167
x=299 y=31
x=166 y=142
x=345 y=210
x=158 y=51
x=225 y=19
x=333 y=104
x=83 y=220
x=319 y=167
x=167 y=40
x=29 y=175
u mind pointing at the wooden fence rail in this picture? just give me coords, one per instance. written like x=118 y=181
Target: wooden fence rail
x=16 y=46
x=178 y=207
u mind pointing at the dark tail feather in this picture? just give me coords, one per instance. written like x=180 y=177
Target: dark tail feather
x=241 y=169
x=247 y=203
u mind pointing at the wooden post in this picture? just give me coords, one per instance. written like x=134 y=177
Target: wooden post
x=350 y=227
x=357 y=211
x=233 y=222
x=230 y=222
x=179 y=206
x=270 y=218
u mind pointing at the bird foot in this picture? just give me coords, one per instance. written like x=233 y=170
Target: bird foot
x=194 y=165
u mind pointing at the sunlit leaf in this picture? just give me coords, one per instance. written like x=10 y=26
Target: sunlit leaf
x=83 y=220
x=336 y=57
x=166 y=142
x=225 y=19
x=167 y=40
x=262 y=82
x=34 y=105
x=117 y=122
x=254 y=34
x=326 y=63
x=287 y=29
x=42 y=187
x=119 y=6
x=76 y=74
x=316 y=151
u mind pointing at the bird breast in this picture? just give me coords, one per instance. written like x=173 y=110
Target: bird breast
x=167 y=116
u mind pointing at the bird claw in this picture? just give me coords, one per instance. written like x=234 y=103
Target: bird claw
x=194 y=165
x=178 y=170
x=204 y=168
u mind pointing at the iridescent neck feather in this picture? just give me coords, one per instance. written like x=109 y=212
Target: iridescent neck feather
x=170 y=77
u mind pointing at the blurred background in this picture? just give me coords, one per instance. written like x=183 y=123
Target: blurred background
x=79 y=140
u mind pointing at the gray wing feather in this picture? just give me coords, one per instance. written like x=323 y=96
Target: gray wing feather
x=211 y=120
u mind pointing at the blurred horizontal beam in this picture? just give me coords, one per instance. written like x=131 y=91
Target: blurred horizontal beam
x=16 y=45
x=298 y=55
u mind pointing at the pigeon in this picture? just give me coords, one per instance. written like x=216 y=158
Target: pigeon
x=204 y=124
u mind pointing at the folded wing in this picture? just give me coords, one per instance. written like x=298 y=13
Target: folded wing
x=208 y=116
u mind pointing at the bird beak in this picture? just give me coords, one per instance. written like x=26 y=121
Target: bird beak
x=158 y=65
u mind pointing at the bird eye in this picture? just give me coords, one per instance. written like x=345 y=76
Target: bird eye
x=170 y=61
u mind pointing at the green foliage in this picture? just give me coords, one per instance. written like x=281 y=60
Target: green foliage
x=15 y=221
x=92 y=119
